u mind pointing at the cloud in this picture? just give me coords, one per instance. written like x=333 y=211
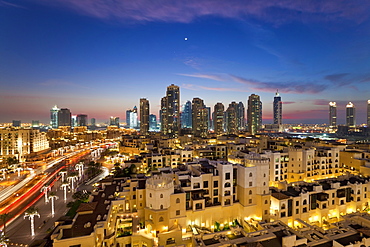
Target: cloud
x=320 y=102
x=207 y=76
x=288 y=102
x=5 y=3
x=220 y=89
x=284 y=87
x=58 y=83
x=273 y=11
x=260 y=86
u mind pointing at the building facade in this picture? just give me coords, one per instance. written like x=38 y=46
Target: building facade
x=254 y=114
x=332 y=114
x=350 y=115
x=144 y=116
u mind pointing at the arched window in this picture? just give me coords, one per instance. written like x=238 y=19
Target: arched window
x=283 y=206
x=160 y=219
x=266 y=202
x=264 y=175
x=304 y=202
x=161 y=207
x=178 y=200
x=250 y=174
x=161 y=196
x=150 y=195
x=250 y=192
x=227 y=185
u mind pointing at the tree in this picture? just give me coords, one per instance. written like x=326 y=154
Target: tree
x=64 y=186
x=94 y=169
x=4 y=218
x=31 y=213
x=82 y=196
x=3 y=240
x=52 y=197
x=45 y=190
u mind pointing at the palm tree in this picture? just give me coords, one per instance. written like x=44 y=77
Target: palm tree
x=4 y=218
x=63 y=173
x=45 y=190
x=72 y=178
x=64 y=186
x=31 y=213
x=80 y=168
x=3 y=240
x=52 y=197
x=19 y=169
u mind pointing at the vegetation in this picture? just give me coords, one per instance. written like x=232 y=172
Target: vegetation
x=79 y=197
x=123 y=172
x=94 y=169
x=4 y=218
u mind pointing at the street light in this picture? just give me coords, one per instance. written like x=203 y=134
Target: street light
x=45 y=189
x=52 y=197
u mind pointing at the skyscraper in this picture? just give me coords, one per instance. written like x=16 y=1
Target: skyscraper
x=64 y=117
x=254 y=114
x=368 y=113
x=170 y=112
x=81 y=120
x=240 y=116
x=131 y=118
x=278 y=111
x=332 y=114
x=199 y=118
x=186 y=121
x=113 y=121
x=144 y=116
x=54 y=117
x=152 y=122
x=231 y=119
x=350 y=115
x=218 y=118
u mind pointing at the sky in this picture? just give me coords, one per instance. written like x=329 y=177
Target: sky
x=99 y=57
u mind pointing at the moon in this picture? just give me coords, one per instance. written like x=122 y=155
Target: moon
x=186 y=39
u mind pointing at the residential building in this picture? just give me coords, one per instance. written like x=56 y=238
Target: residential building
x=277 y=109
x=144 y=116
x=350 y=115
x=64 y=117
x=199 y=118
x=54 y=117
x=333 y=114
x=254 y=114
x=186 y=114
x=218 y=118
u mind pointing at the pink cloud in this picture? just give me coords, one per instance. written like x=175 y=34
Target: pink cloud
x=187 y=11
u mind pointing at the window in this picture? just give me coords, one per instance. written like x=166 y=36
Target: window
x=161 y=196
x=227 y=185
x=250 y=184
x=266 y=202
x=160 y=219
x=227 y=175
x=266 y=211
x=297 y=211
x=282 y=214
x=170 y=241
x=297 y=203
x=205 y=184
x=304 y=202
x=250 y=174
x=150 y=195
x=283 y=206
x=250 y=201
x=161 y=207
x=177 y=200
x=250 y=192
x=215 y=184
x=196 y=185
x=304 y=210
x=150 y=216
x=177 y=212
x=215 y=192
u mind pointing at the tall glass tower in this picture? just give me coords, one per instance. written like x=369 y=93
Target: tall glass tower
x=254 y=114
x=278 y=114
x=332 y=114
x=186 y=115
x=54 y=117
x=350 y=115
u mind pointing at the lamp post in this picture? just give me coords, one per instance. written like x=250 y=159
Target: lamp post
x=31 y=213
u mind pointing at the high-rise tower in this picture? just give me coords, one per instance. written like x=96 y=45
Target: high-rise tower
x=254 y=113
x=350 y=115
x=186 y=115
x=332 y=114
x=368 y=113
x=218 y=118
x=54 y=117
x=199 y=118
x=170 y=112
x=64 y=117
x=278 y=109
x=231 y=118
x=131 y=118
x=144 y=116
x=240 y=116
x=81 y=120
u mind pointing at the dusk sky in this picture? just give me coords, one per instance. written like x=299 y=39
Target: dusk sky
x=99 y=57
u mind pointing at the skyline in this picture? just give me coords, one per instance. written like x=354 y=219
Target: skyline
x=100 y=58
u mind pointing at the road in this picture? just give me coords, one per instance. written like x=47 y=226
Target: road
x=19 y=231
